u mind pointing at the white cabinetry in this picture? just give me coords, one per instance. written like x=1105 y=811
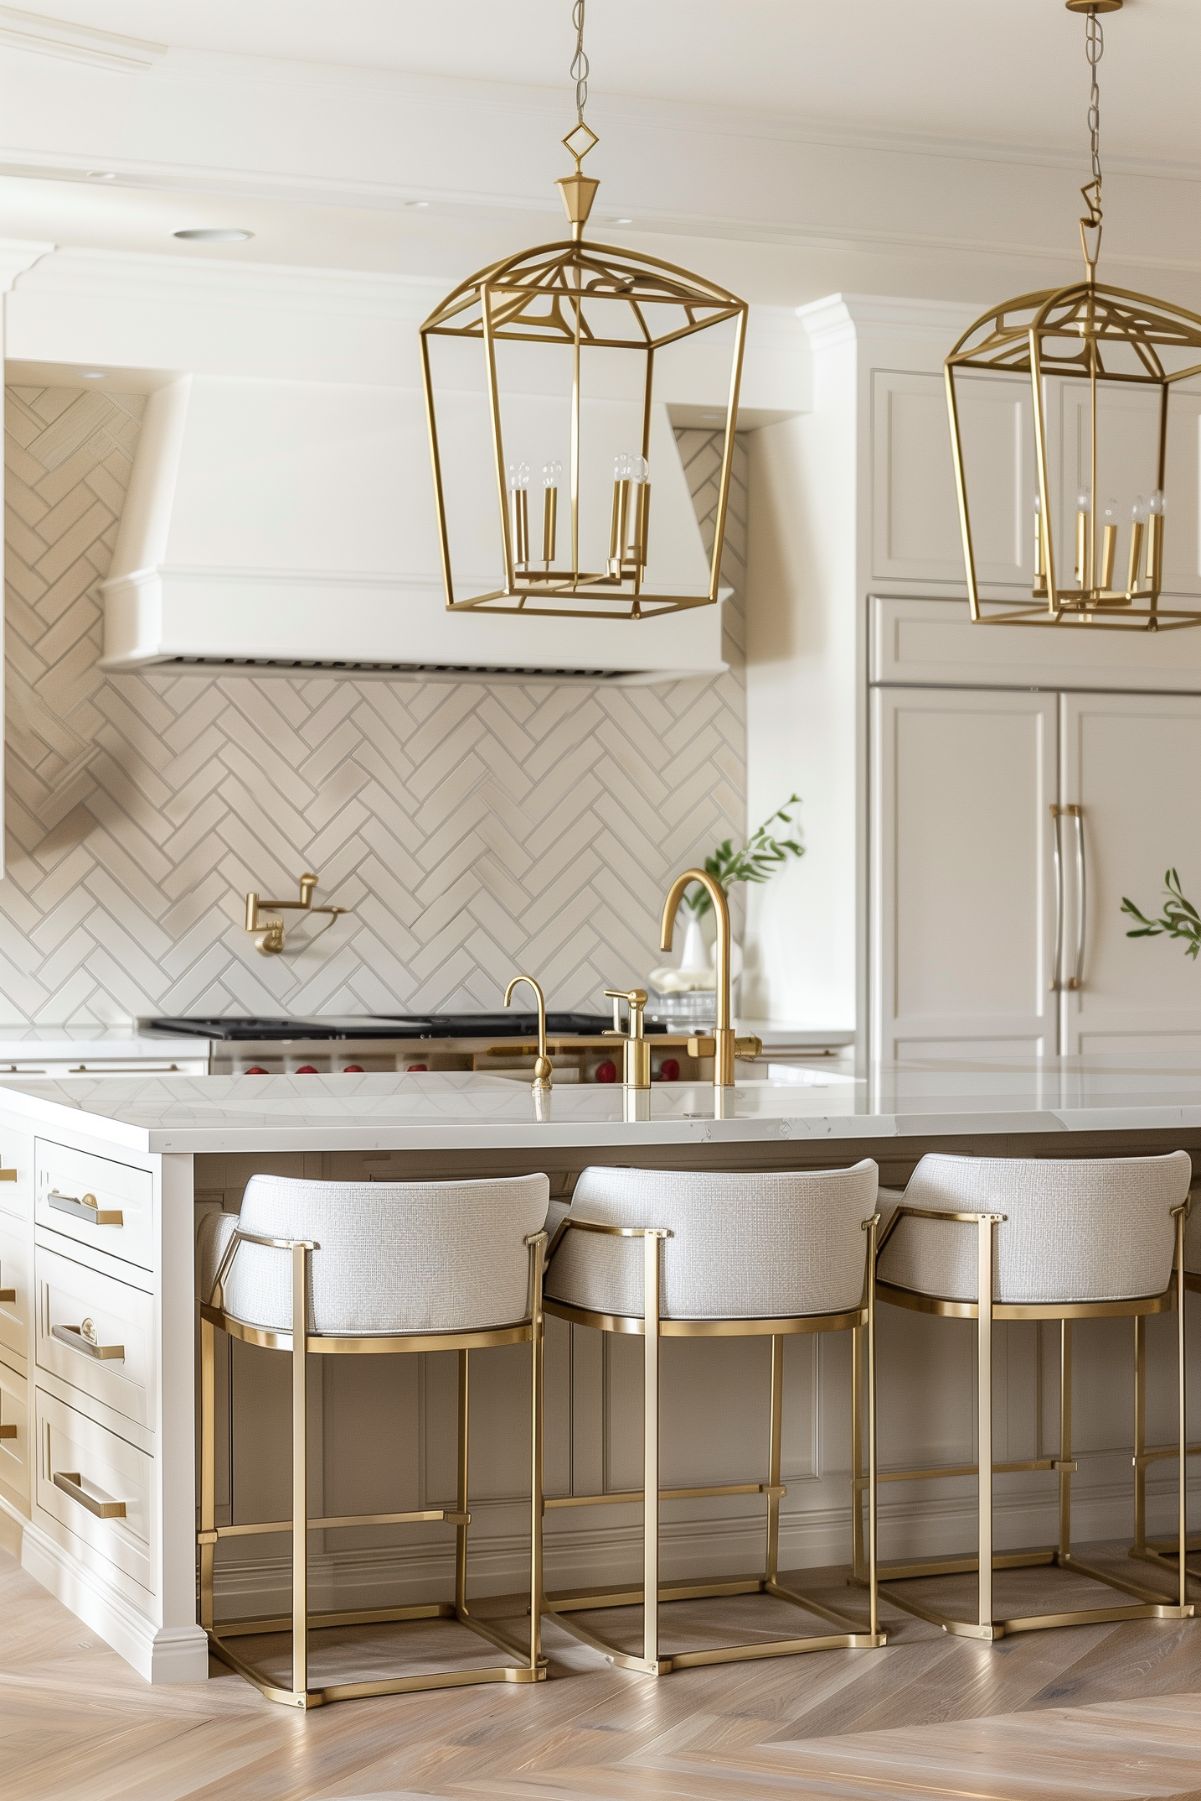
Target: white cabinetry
x=1005 y=829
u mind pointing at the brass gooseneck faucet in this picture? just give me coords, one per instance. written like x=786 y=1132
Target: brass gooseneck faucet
x=543 y=1073
x=723 y=1045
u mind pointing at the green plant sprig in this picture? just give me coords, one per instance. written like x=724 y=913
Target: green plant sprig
x=755 y=861
x=1179 y=919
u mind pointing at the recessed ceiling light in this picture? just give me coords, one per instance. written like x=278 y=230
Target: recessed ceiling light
x=92 y=374
x=624 y=220
x=102 y=175
x=418 y=205
x=213 y=234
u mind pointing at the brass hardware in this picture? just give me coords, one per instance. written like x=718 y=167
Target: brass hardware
x=1102 y=336
x=270 y=932
x=82 y=1338
x=84 y=1206
x=8 y=1432
x=9 y=1175
x=543 y=1072
x=299 y=1342
x=653 y=1328
x=579 y=297
x=1076 y=815
x=71 y=1483
x=1140 y=1603
x=723 y=1032
x=636 y=1052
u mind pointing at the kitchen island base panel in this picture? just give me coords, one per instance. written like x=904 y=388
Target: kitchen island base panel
x=705 y=1409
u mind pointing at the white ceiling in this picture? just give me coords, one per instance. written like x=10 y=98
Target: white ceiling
x=1010 y=71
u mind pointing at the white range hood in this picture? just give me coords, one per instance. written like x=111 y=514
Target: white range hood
x=290 y=526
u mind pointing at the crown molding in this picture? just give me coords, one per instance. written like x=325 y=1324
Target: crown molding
x=38 y=35
x=839 y=319
x=17 y=257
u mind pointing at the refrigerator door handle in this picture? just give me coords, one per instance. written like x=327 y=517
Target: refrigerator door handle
x=1057 y=859
x=1076 y=980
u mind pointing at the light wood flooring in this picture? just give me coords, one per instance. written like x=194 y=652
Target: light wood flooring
x=1103 y=1712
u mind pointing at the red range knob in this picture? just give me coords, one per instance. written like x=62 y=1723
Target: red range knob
x=669 y=1069
x=606 y=1071
x=306 y=1069
x=254 y=1069
x=418 y=1069
x=352 y=1069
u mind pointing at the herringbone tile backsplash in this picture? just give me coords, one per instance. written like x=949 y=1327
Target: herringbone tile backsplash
x=474 y=829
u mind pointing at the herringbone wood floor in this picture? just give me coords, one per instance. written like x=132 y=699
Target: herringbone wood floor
x=1103 y=1712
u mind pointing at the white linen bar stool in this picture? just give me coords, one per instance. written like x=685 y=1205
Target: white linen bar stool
x=377 y=1268
x=995 y=1238
x=664 y=1255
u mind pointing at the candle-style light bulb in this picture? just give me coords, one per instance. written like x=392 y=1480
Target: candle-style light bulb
x=1109 y=542
x=1084 y=507
x=1157 y=507
x=622 y=476
x=552 y=475
x=640 y=477
x=519 y=485
x=1138 y=527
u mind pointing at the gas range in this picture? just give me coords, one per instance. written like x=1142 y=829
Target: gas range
x=236 y=1027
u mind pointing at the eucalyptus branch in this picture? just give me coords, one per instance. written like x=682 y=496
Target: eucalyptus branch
x=1179 y=919
x=757 y=860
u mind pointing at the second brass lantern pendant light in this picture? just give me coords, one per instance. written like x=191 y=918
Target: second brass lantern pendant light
x=572 y=334
x=1101 y=365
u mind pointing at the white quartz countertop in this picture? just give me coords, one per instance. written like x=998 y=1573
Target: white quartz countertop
x=457 y=1111
x=60 y=1044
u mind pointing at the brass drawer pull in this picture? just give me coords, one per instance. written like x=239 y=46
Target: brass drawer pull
x=9 y=1175
x=85 y=1206
x=82 y=1338
x=71 y=1483
x=8 y=1431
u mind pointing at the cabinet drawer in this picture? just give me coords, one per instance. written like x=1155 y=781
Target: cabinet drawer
x=16 y=1284
x=16 y=1173
x=14 y=1439
x=92 y=1485
x=101 y=1203
x=95 y=1333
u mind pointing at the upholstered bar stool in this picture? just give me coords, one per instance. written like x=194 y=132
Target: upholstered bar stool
x=991 y=1238
x=665 y=1255
x=348 y=1269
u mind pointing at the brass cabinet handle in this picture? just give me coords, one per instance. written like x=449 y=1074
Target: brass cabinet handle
x=85 y=1206
x=1077 y=979
x=71 y=1483
x=8 y=1432
x=81 y=1338
x=9 y=1175
x=1057 y=854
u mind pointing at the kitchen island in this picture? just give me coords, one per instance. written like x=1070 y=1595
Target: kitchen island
x=104 y=1180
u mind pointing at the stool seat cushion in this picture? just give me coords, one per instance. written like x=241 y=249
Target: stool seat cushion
x=1077 y=1230
x=759 y=1245
x=393 y=1257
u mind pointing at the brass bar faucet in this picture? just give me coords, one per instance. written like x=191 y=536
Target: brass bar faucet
x=722 y=1046
x=543 y=1072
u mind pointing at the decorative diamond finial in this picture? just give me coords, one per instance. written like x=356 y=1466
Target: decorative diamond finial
x=579 y=141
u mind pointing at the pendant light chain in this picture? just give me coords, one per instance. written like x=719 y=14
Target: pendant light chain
x=1094 y=49
x=580 y=66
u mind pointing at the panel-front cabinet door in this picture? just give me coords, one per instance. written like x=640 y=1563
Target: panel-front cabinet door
x=963 y=895
x=1131 y=764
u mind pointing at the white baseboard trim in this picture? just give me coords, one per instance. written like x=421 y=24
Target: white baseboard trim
x=159 y=1654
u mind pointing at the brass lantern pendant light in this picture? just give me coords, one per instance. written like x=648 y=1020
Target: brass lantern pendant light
x=573 y=335
x=1101 y=365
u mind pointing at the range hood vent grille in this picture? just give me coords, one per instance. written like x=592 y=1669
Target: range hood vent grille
x=346 y=666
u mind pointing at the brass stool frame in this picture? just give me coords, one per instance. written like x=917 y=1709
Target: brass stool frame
x=1160 y=1551
x=300 y=1622
x=653 y=1328
x=1144 y=1603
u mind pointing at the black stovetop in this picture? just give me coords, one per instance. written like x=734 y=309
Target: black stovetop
x=380 y=1025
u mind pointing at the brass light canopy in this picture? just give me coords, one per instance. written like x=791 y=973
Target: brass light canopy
x=586 y=301
x=1096 y=343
